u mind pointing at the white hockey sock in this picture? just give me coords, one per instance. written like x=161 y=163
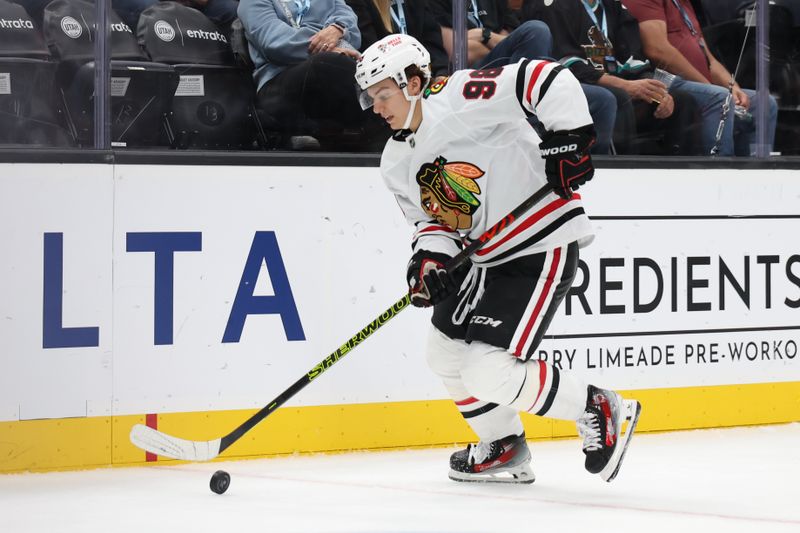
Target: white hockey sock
x=536 y=387
x=488 y=420
x=569 y=394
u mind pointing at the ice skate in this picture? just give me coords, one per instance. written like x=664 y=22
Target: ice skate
x=604 y=443
x=501 y=461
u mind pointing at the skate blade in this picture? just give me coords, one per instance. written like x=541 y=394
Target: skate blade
x=523 y=475
x=633 y=409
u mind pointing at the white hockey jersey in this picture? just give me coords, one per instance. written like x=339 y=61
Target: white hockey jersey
x=475 y=158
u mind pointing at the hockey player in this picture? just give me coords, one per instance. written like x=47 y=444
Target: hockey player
x=461 y=158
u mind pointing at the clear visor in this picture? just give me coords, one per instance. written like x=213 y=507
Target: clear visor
x=367 y=98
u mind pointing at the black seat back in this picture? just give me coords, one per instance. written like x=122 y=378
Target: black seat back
x=70 y=33
x=173 y=33
x=213 y=105
x=29 y=110
x=140 y=90
x=19 y=35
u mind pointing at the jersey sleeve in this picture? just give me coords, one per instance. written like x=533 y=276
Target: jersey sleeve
x=504 y=94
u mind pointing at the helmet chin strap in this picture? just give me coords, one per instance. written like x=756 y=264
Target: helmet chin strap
x=403 y=82
x=410 y=116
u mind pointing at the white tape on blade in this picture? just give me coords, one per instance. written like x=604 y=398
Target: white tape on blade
x=154 y=441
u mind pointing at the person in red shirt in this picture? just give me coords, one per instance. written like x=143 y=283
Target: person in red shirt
x=673 y=40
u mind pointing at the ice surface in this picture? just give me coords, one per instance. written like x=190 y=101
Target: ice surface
x=732 y=480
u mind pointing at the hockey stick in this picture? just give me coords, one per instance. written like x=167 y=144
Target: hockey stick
x=160 y=443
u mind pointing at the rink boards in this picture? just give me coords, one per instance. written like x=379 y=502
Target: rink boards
x=186 y=297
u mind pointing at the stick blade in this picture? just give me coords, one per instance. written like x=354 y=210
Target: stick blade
x=153 y=441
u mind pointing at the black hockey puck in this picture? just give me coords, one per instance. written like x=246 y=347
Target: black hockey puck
x=220 y=481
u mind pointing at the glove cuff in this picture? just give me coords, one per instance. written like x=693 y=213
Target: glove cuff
x=559 y=143
x=422 y=258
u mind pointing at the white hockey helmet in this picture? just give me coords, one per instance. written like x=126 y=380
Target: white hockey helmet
x=389 y=58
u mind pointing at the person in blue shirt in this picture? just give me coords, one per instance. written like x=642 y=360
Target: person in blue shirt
x=305 y=58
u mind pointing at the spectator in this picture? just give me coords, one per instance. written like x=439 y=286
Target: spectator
x=379 y=18
x=603 y=109
x=494 y=35
x=673 y=40
x=221 y=12
x=305 y=58
x=643 y=104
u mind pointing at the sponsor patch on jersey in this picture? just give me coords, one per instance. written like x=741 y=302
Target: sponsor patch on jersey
x=448 y=191
x=436 y=87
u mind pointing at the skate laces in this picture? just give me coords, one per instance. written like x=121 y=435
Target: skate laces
x=589 y=428
x=479 y=453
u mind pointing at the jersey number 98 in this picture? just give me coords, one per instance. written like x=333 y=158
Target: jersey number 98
x=482 y=85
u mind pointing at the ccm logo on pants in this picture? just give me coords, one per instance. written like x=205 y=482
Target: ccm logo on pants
x=485 y=320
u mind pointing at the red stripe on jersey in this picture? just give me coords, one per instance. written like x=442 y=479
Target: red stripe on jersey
x=537 y=70
x=542 y=380
x=530 y=221
x=467 y=401
x=151 y=421
x=540 y=303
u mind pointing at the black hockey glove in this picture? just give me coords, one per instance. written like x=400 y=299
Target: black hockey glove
x=568 y=164
x=428 y=282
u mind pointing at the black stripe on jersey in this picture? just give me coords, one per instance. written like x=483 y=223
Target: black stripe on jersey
x=479 y=411
x=550 y=228
x=522 y=77
x=552 y=394
x=547 y=82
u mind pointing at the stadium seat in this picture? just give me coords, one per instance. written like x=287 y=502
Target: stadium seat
x=29 y=111
x=213 y=105
x=140 y=90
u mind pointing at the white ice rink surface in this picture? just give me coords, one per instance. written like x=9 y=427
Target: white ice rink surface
x=743 y=479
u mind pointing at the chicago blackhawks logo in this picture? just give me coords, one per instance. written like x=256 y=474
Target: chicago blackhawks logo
x=448 y=191
x=436 y=87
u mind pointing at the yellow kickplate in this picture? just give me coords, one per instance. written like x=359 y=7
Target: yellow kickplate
x=102 y=441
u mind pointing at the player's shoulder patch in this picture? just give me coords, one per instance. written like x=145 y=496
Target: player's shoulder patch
x=435 y=87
